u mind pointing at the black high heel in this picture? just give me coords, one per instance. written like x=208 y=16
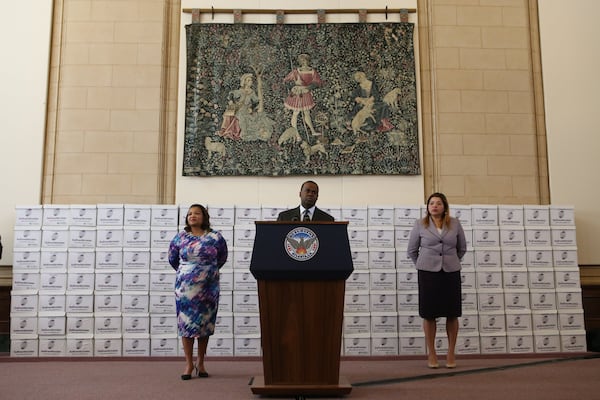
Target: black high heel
x=187 y=377
x=201 y=374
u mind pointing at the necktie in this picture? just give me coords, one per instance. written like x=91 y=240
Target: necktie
x=306 y=216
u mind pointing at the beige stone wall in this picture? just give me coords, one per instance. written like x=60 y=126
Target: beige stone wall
x=482 y=140
x=113 y=102
x=105 y=108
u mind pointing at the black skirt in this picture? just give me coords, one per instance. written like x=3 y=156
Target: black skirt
x=439 y=294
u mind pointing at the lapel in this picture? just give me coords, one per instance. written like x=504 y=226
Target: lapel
x=433 y=229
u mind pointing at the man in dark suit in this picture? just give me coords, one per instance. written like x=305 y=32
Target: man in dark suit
x=306 y=211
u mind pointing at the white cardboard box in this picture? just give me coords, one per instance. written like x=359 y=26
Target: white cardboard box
x=384 y=323
x=243 y=280
x=357 y=302
x=55 y=237
x=407 y=279
x=357 y=344
x=541 y=278
x=567 y=278
x=163 y=325
x=165 y=215
x=488 y=236
x=406 y=215
x=360 y=258
x=110 y=258
x=383 y=301
x=224 y=323
x=488 y=258
x=357 y=323
x=384 y=344
x=544 y=321
x=136 y=281
x=245 y=301
x=136 y=259
x=56 y=215
x=543 y=299
x=381 y=236
x=109 y=215
x=573 y=341
x=163 y=303
x=510 y=215
x=547 y=342
x=513 y=236
x=538 y=236
x=24 y=280
x=242 y=258
x=219 y=214
x=492 y=343
x=53 y=281
x=51 y=324
x=136 y=237
x=136 y=346
x=107 y=301
x=515 y=279
x=469 y=322
x=562 y=215
x=571 y=320
x=563 y=236
x=161 y=237
x=23 y=302
x=23 y=325
x=137 y=215
x=484 y=214
x=27 y=237
x=136 y=324
x=358 y=237
x=468 y=344
x=164 y=346
x=108 y=281
x=159 y=260
x=109 y=237
x=243 y=235
x=491 y=300
x=52 y=346
x=26 y=259
x=514 y=258
x=80 y=346
x=519 y=343
x=246 y=214
x=540 y=257
x=565 y=257
x=492 y=322
x=247 y=345
x=359 y=280
x=469 y=299
x=246 y=324
x=463 y=213
x=28 y=215
x=107 y=324
x=83 y=215
x=518 y=321
x=383 y=279
x=220 y=345
x=80 y=324
x=409 y=322
x=51 y=302
x=382 y=258
x=536 y=215
x=408 y=300
x=80 y=281
x=489 y=279
x=108 y=346
x=135 y=302
x=26 y=346
x=356 y=216
x=568 y=299
x=409 y=344
x=380 y=215
x=81 y=260
x=82 y=236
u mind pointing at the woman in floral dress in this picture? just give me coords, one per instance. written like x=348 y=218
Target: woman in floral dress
x=197 y=253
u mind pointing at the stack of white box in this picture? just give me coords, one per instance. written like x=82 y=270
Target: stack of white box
x=95 y=281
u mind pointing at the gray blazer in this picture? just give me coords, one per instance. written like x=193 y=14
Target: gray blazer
x=432 y=251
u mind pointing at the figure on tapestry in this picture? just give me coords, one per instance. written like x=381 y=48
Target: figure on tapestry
x=370 y=112
x=244 y=117
x=300 y=99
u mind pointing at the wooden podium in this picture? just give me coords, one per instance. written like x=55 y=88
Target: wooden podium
x=301 y=269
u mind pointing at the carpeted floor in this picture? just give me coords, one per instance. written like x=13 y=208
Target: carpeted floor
x=548 y=377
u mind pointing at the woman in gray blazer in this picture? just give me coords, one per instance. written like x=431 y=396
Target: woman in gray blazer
x=436 y=245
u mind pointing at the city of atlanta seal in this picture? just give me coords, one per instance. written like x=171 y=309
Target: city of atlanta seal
x=301 y=243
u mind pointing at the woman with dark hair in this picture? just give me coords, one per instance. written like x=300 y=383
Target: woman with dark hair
x=197 y=253
x=436 y=245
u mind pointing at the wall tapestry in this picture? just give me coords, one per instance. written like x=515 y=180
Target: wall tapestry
x=298 y=99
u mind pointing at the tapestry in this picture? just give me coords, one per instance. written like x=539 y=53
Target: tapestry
x=300 y=99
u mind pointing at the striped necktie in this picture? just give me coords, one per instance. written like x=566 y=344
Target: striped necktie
x=306 y=216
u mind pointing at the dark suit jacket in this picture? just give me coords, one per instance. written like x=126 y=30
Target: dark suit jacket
x=293 y=214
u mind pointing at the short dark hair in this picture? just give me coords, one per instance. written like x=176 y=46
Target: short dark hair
x=313 y=182
x=205 y=218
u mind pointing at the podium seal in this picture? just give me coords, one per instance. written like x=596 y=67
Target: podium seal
x=301 y=244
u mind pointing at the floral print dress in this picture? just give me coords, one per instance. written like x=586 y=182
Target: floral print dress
x=197 y=260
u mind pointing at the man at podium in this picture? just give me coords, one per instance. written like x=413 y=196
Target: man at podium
x=307 y=210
